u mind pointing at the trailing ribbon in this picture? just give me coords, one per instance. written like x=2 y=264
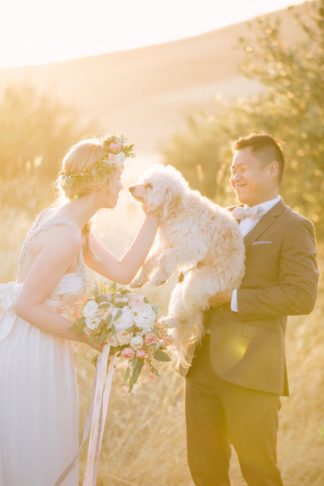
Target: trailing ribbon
x=96 y=419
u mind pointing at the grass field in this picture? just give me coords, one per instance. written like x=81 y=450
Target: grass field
x=144 y=443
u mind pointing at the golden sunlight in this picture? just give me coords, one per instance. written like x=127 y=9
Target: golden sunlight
x=38 y=32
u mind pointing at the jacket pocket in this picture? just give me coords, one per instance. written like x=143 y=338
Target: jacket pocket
x=262 y=242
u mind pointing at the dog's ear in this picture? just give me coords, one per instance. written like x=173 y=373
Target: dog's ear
x=172 y=202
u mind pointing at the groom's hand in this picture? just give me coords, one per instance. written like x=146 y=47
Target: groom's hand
x=222 y=298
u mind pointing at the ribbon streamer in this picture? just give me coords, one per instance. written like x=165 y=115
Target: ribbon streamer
x=96 y=419
x=101 y=402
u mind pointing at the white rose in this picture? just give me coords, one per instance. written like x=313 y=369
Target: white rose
x=124 y=338
x=113 y=341
x=90 y=309
x=124 y=321
x=92 y=322
x=120 y=158
x=144 y=316
x=136 y=342
x=135 y=299
x=121 y=299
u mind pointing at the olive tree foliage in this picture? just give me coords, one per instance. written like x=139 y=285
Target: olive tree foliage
x=290 y=107
x=35 y=131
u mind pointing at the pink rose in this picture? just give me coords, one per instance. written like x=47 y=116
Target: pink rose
x=115 y=147
x=127 y=353
x=151 y=339
x=141 y=354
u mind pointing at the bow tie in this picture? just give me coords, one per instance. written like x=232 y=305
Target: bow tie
x=240 y=213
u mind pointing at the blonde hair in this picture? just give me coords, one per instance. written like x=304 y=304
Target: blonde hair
x=81 y=158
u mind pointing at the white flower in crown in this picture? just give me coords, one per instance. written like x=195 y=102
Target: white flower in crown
x=115 y=160
x=125 y=319
x=120 y=159
x=137 y=342
x=92 y=322
x=90 y=309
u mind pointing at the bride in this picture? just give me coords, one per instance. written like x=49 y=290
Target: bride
x=39 y=400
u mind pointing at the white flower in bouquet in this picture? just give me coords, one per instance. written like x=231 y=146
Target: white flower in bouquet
x=124 y=321
x=124 y=338
x=113 y=340
x=92 y=322
x=121 y=299
x=136 y=342
x=135 y=299
x=143 y=316
x=90 y=309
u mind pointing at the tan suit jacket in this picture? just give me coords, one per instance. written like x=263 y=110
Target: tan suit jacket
x=248 y=347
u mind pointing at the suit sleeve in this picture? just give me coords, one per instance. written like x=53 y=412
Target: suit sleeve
x=295 y=293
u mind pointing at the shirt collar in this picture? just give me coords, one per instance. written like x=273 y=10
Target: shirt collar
x=267 y=205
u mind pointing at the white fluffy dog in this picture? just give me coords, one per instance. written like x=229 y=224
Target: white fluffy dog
x=197 y=237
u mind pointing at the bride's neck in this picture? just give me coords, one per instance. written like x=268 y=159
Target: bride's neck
x=80 y=210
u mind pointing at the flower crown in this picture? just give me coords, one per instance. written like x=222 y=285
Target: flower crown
x=116 y=153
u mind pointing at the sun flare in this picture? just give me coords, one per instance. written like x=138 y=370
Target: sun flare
x=38 y=32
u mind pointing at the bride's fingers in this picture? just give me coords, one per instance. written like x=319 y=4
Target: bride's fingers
x=98 y=347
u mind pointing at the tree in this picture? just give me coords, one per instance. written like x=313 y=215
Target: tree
x=290 y=108
x=35 y=131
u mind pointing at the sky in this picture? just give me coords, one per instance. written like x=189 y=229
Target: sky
x=44 y=31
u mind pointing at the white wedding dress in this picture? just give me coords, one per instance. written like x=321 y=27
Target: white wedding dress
x=38 y=389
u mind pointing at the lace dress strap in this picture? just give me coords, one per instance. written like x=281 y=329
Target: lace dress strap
x=42 y=225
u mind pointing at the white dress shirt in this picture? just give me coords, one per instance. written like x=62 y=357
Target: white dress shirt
x=246 y=225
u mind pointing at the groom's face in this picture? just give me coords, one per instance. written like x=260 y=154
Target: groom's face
x=253 y=180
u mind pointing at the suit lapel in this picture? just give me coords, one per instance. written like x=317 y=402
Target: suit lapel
x=266 y=221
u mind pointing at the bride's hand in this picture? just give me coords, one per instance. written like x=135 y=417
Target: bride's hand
x=97 y=346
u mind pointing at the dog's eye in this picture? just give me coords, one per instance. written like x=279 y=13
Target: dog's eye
x=148 y=185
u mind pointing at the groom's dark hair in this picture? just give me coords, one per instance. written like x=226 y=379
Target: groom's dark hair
x=265 y=147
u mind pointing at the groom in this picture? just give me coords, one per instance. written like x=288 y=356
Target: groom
x=239 y=371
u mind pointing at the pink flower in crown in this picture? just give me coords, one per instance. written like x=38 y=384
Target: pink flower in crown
x=115 y=147
x=127 y=353
x=150 y=339
x=141 y=354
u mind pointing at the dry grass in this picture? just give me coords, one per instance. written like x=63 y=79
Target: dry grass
x=144 y=443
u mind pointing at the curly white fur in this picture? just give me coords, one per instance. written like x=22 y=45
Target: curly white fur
x=196 y=235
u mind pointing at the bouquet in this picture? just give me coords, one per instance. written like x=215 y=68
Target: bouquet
x=127 y=322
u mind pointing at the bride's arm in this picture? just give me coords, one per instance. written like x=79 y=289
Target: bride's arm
x=124 y=270
x=46 y=270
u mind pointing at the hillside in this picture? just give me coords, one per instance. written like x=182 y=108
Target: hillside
x=146 y=92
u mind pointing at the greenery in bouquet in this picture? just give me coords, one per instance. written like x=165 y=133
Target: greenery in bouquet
x=127 y=322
